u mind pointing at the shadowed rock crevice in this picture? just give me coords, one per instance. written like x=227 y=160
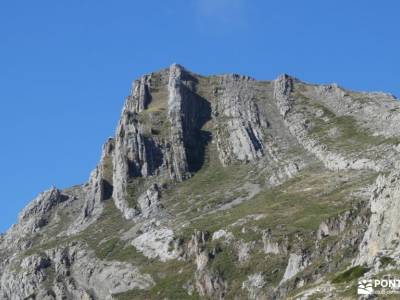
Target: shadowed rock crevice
x=257 y=144
x=188 y=113
x=197 y=112
x=107 y=190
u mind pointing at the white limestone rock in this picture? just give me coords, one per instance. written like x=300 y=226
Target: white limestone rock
x=253 y=285
x=156 y=243
x=78 y=274
x=149 y=202
x=223 y=234
x=382 y=237
x=297 y=263
x=240 y=126
x=273 y=246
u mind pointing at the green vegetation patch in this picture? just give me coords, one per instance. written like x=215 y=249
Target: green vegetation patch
x=211 y=186
x=135 y=187
x=171 y=278
x=350 y=274
x=386 y=261
x=351 y=137
x=299 y=205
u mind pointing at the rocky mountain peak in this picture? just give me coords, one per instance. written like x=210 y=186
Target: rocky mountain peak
x=221 y=187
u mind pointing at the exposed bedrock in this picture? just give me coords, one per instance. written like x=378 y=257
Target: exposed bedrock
x=297 y=124
x=176 y=154
x=225 y=187
x=239 y=124
x=382 y=238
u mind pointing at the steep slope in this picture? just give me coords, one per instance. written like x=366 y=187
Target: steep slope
x=221 y=187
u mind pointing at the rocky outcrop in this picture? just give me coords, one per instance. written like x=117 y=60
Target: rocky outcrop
x=136 y=155
x=208 y=283
x=33 y=219
x=187 y=113
x=272 y=245
x=37 y=213
x=196 y=248
x=178 y=94
x=243 y=250
x=24 y=284
x=98 y=189
x=70 y=272
x=283 y=86
x=297 y=262
x=253 y=285
x=149 y=202
x=239 y=124
x=222 y=235
x=286 y=172
x=157 y=243
x=175 y=155
x=376 y=111
x=335 y=225
x=297 y=124
x=141 y=96
x=382 y=235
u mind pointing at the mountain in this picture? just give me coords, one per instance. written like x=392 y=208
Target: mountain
x=221 y=187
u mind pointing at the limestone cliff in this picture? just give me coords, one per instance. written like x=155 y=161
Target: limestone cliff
x=221 y=187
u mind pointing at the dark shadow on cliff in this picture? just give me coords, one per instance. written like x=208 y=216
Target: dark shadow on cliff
x=197 y=112
x=106 y=190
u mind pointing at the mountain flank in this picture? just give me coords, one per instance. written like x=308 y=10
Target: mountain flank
x=221 y=187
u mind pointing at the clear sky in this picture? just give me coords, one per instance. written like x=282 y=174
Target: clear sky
x=66 y=66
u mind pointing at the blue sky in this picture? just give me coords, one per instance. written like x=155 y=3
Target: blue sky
x=66 y=66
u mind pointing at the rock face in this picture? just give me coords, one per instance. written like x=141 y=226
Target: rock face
x=149 y=202
x=98 y=189
x=33 y=219
x=297 y=124
x=179 y=94
x=35 y=215
x=382 y=236
x=175 y=154
x=283 y=86
x=156 y=243
x=75 y=271
x=221 y=187
x=208 y=283
x=296 y=263
x=273 y=246
x=254 y=285
x=239 y=134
